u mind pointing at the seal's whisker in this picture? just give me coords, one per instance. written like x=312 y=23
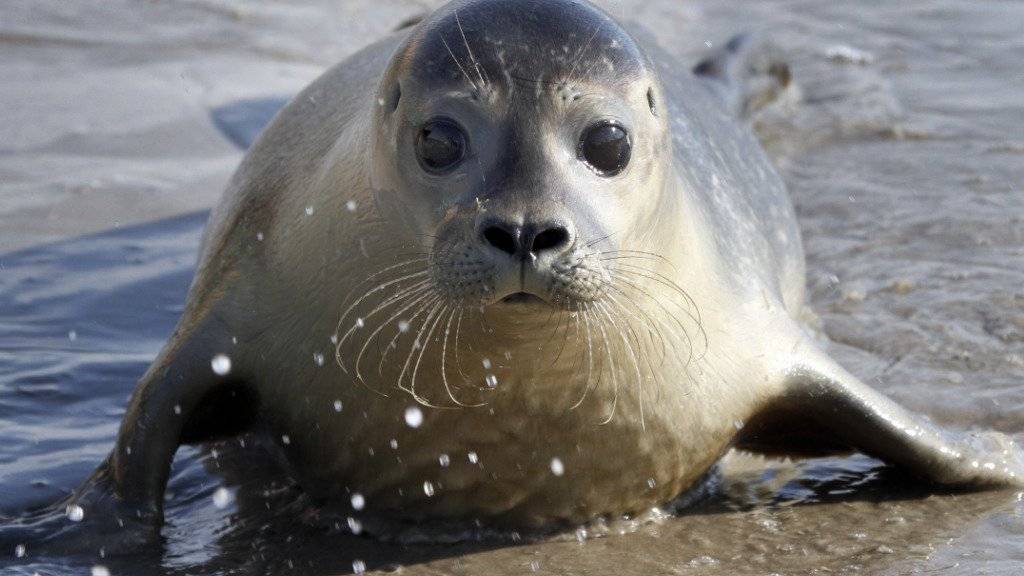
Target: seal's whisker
x=418 y=345
x=375 y=290
x=651 y=323
x=459 y=64
x=444 y=356
x=565 y=334
x=619 y=278
x=628 y=257
x=413 y=258
x=621 y=318
x=590 y=358
x=645 y=322
x=661 y=279
x=611 y=368
x=472 y=59
x=397 y=296
x=433 y=297
x=415 y=299
x=633 y=357
x=598 y=239
x=580 y=54
x=631 y=255
x=423 y=285
x=458 y=358
x=575 y=315
x=437 y=313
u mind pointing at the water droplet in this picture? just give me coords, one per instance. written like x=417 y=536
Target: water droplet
x=309 y=210
x=491 y=380
x=222 y=498
x=358 y=566
x=318 y=359
x=360 y=323
x=72 y=335
x=444 y=460
x=473 y=458
x=350 y=205
x=75 y=513
x=19 y=551
x=358 y=502
x=413 y=416
x=428 y=488
x=99 y=570
x=403 y=326
x=286 y=439
x=557 y=468
x=337 y=405
x=355 y=525
x=221 y=364
x=487 y=363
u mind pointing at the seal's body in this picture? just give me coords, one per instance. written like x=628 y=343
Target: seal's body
x=540 y=274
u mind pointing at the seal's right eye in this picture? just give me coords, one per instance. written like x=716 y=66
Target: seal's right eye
x=440 y=145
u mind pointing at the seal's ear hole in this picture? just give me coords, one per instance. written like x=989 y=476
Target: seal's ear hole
x=650 y=101
x=394 y=97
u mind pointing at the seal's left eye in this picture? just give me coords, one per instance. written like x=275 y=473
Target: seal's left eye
x=440 y=145
x=606 y=148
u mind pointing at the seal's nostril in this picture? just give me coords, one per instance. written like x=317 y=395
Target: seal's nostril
x=501 y=239
x=550 y=239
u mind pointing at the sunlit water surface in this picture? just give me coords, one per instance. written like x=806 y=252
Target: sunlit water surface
x=902 y=149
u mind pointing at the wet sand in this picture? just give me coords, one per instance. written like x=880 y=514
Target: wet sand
x=903 y=155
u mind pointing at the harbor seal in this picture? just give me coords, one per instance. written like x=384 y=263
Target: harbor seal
x=539 y=273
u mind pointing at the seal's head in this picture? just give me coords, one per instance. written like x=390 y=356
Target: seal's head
x=521 y=143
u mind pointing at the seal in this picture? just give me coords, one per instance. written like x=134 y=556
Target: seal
x=542 y=274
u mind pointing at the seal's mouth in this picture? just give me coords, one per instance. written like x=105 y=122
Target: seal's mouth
x=522 y=298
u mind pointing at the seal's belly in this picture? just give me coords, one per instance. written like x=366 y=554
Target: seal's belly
x=505 y=463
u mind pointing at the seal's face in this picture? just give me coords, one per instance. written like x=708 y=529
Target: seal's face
x=520 y=142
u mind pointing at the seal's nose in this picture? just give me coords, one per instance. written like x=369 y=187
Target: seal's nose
x=525 y=240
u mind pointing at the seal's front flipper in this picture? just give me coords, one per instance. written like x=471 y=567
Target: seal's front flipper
x=747 y=74
x=94 y=521
x=823 y=409
x=182 y=398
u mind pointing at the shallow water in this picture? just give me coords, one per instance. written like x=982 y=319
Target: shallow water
x=903 y=153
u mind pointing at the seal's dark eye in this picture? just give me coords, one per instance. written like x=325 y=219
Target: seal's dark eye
x=606 y=148
x=440 y=145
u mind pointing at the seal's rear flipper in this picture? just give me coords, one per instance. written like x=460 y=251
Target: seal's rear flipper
x=748 y=73
x=243 y=121
x=824 y=409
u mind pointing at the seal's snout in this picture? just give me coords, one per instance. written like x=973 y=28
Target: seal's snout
x=527 y=241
